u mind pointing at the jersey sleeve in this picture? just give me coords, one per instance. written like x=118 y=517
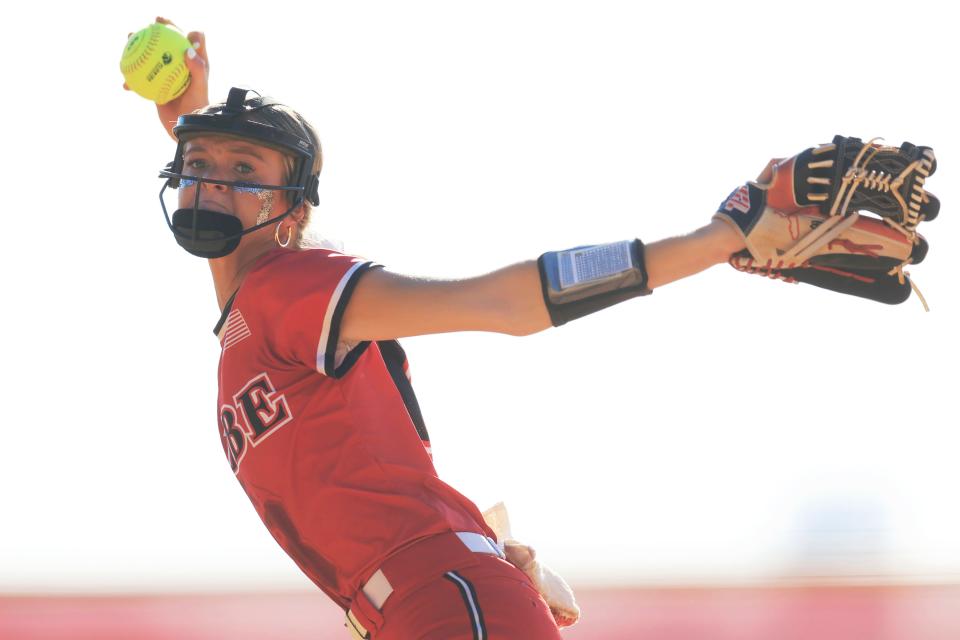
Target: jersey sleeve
x=303 y=298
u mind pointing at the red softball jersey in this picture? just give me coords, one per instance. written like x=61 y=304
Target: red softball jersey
x=326 y=437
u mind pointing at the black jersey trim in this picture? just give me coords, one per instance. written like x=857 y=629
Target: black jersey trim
x=225 y=313
x=333 y=339
x=350 y=359
x=394 y=356
x=472 y=603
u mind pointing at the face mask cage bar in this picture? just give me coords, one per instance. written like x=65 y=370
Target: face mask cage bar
x=231 y=121
x=181 y=181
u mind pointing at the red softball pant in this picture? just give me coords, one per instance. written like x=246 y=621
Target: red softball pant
x=492 y=600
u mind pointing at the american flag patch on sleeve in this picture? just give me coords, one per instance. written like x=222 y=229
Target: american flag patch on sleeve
x=234 y=329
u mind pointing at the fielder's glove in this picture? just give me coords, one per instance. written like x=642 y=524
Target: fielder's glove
x=807 y=223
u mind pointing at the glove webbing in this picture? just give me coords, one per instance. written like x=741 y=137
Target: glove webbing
x=857 y=176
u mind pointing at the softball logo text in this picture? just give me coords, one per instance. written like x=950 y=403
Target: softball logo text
x=257 y=412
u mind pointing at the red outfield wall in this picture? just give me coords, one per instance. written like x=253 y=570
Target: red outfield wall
x=776 y=613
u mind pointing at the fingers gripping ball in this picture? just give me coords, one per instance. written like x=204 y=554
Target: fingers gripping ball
x=152 y=63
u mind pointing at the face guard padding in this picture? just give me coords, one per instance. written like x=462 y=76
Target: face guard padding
x=214 y=234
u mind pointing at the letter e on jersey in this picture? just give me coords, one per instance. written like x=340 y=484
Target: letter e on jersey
x=257 y=412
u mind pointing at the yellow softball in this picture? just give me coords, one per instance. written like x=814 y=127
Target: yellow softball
x=152 y=63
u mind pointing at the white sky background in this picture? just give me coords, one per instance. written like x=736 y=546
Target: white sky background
x=725 y=428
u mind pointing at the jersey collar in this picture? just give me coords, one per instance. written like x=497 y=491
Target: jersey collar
x=223 y=316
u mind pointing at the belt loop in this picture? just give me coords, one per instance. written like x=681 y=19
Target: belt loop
x=377 y=589
x=356 y=630
x=365 y=613
x=479 y=543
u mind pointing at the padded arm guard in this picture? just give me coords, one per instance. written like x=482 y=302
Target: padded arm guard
x=582 y=280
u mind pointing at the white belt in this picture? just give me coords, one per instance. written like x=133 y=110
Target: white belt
x=378 y=588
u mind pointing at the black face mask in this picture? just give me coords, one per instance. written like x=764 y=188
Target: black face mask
x=214 y=234
x=205 y=233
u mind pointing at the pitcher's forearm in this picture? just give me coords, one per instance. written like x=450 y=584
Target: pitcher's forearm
x=510 y=300
x=675 y=258
x=666 y=261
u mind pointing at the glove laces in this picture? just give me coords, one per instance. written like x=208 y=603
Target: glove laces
x=857 y=176
x=903 y=276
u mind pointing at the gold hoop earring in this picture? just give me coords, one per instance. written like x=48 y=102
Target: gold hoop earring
x=276 y=235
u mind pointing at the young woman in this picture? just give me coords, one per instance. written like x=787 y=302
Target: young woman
x=317 y=416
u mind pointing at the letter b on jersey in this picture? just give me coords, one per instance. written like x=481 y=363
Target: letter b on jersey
x=232 y=437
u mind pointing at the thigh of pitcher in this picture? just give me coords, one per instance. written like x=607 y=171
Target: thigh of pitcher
x=492 y=601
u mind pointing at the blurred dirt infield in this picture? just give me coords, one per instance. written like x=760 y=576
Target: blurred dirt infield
x=772 y=613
